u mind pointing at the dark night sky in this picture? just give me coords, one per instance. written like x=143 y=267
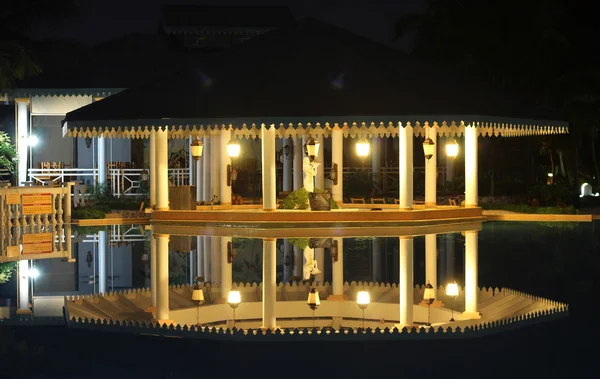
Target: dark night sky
x=101 y=20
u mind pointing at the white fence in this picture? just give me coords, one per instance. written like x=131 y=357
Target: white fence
x=122 y=181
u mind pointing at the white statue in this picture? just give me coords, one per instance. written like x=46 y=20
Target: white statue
x=310 y=263
x=310 y=170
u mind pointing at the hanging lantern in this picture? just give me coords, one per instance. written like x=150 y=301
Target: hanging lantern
x=197 y=148
x=429 y=294
x=286 y=150
x=313 y=300
x=88 y=142
x=362 y=148
x=312 y=149
x=452 y=148
x=232 y=252
x=333 y=174
x=197 y=294
x=452 y=289
x=144 y=175
x=145 y=257
x=428 y=148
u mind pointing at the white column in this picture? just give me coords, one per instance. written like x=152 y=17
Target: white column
x=288 y=166
x=470 y=166
x=320 y=174
x=102 y=165
x=215 y=148
x=376 y=160
x=162 y=170
x=191 y=161
x=431 y=261
x=431 y=173
x=153 y=171
x=406 y=166
x=199 y=178
x=226 y=269
x=450 y=258
x=162 y=284
x=102 y=276
x=288 y=260
x=471 y=275
x=206 y=162
x=200 y=256
x=207 y=258
x=269 y=192
x=225 y=160
x=22 y=120
x=337 y=272
x=337 y=156
x=320 y=258
x=406 y=281
x=377 y=261
x=23 y=287
x=216 y=259
x=449 y=164
x=269 y=284
x=298 y=174
x=153 y=270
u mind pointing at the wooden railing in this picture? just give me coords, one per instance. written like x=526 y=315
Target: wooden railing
x=25 y=206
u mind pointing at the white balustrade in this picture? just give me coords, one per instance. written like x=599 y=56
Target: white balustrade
x=122 y=181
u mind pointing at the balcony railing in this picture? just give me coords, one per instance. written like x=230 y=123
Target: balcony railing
x=122 y=182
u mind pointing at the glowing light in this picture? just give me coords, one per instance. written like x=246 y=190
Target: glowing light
x=233 y=149
x=452 y=289
x=363 y=299
x=452 y=149
x=362 y=148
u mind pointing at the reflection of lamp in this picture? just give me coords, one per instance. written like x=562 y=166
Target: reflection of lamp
x=334 y=251
x=232 y=252
x=88 y=142
x=452 y=148
x=198 y=299
x=313 y=302
x=312 y=149
x=286 y=150
x=234 y=299
x=145 y=257
x=197 y=148
x=144 y=175
x=333 y=174
x=429 y=297
x=452 y=290
x=363 y=300
x=428 y=148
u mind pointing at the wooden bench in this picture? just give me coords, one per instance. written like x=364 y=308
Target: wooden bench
x=357 y=200
x=378 y=200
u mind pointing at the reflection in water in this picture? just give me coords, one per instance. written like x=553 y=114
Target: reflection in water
x=115 y=258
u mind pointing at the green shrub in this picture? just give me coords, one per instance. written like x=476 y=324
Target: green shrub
x=6 y=270
x=297 y=199
x=85 y=213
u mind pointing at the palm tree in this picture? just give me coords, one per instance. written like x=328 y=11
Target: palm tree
x=17 y=60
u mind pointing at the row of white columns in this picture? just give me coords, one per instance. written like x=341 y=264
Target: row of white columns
x=160 y=273
x=211 y=169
